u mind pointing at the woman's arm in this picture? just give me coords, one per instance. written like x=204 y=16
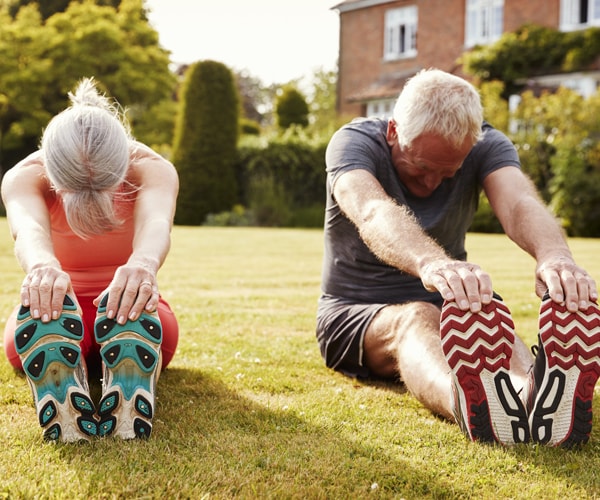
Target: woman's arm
x=134 y=286
x=24 y=188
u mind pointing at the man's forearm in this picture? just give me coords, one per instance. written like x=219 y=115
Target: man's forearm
x=393 y=234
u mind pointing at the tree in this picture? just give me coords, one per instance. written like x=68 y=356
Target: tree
x=41 y=62
x=24 y=73
x=291 y=108
x=50 y=7
x=556 y=135
x=322 y=100
x=204 y=149
x=252 y=95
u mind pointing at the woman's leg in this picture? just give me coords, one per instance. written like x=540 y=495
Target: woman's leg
x=132 y=361
x=51 y=358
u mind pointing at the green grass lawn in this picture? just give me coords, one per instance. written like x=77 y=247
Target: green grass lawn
x=247 y=408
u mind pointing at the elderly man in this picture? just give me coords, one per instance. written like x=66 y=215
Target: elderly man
x=401 y=300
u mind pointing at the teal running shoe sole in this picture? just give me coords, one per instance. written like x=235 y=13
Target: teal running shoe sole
x=56 y=373
x=131 y=359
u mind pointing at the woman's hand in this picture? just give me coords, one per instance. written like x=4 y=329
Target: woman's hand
x=134 y=289
x=43 y=291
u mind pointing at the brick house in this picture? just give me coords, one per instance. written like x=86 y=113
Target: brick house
x=383 y=42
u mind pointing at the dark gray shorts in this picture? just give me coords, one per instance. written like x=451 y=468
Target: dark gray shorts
x=341 y=327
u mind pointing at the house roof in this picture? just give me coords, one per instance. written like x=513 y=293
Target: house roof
x=385 y=87
x=348 y=5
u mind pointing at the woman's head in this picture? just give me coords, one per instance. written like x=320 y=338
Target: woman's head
x=86 y=154
x=438 y=103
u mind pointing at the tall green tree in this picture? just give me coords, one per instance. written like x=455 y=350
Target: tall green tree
x=204 y=148
x=41 y=61
x=25 y=72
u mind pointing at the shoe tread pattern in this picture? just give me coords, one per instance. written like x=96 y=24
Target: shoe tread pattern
x=131 y=357
x=570 y=341
x=478 y=348
x=52 y=362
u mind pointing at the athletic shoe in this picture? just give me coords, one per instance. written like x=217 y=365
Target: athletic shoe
x=56 y=372
x=131 y=360
x=478 y=348
x=566 y=368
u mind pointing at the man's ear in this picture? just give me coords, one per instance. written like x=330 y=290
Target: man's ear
x=391 y=135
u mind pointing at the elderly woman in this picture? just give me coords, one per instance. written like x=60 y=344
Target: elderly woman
x=91 y=214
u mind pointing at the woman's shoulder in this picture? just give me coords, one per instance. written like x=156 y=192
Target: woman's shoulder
x=31 y=170
x=145 y=162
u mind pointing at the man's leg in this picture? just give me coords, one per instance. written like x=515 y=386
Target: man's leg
x=405 y=340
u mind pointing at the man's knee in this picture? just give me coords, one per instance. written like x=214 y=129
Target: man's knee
x=388 y=329
x=395 y=320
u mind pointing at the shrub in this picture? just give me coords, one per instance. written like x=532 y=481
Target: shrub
x=291 y=108
x=282 y=179
x=204 y=148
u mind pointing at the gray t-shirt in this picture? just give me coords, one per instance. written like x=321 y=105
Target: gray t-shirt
x=350 y=270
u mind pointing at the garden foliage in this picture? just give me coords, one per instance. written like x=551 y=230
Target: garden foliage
x=556 y=131
x=282 y=180
x=204 y=148
x=41 y=60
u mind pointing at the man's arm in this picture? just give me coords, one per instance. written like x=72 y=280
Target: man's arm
x=393 y=234
x=530 y=225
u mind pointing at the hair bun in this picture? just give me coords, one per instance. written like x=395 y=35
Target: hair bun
x=86 y=94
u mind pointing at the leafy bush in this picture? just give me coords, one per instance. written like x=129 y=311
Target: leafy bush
x=250 y=127
x=205 y=142
x=238 y=216
x=557 y=137
x=532 y=50
x=282 y=179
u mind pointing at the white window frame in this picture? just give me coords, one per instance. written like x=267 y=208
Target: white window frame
x=484 y=21
x=400 y=33
x=573 y=15
x=381 y=108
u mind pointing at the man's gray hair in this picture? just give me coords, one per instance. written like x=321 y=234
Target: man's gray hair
x=437 y=102
x=86 y=150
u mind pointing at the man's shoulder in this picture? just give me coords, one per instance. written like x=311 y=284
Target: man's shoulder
x=363 y=124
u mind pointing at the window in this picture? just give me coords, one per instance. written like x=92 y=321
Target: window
x=577 y=14
x=484 y=21
x=381 y=109
x=400 y=33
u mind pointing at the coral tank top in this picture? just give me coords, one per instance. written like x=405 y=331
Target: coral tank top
x=91 y=263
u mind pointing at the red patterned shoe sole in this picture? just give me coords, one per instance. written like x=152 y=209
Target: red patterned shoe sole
x=562 y=412
x=478 y=348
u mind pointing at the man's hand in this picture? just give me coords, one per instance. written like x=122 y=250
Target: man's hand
x=465 y=283
x=566 y=282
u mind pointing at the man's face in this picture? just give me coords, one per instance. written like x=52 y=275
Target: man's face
x=424 y=164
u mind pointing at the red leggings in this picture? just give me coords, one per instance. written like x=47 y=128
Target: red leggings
x=89 y=348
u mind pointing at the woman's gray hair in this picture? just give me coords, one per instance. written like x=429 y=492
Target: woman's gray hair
x=86 y=150
x=437 y=102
